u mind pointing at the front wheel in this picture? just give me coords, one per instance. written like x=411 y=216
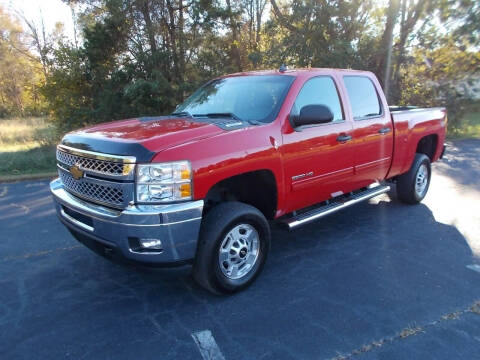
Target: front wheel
x=233 y=245
x=413 y=185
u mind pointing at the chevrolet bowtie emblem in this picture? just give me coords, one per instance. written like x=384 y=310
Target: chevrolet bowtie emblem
x=76 y=172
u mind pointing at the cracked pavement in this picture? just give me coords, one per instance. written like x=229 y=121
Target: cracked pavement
x=332 y=289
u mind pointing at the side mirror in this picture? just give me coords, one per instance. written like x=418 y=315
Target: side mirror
x=313 y=114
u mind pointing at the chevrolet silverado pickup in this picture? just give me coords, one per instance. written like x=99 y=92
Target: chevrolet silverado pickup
x=200 y=185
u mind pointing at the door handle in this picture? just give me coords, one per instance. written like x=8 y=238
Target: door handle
x=344 y=138
x=384 y=130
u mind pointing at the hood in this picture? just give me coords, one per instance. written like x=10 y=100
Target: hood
x=142 y=137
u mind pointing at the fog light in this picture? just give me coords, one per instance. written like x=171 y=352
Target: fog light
x=154 y=244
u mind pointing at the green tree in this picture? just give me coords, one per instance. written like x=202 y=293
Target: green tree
x=319 y=34
x=441 y=76
x=142 y=57
x=20 y=75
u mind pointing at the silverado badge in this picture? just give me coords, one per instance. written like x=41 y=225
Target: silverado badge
x=76 y=172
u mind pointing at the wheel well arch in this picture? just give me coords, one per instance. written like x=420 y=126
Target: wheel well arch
x=257 y=188
x=428 y=145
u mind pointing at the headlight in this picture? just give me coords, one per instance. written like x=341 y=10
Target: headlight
x=164 y=182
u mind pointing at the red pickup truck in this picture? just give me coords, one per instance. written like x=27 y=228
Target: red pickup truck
x=201 y=185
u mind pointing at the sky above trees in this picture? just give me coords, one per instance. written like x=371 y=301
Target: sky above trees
x=50 y=11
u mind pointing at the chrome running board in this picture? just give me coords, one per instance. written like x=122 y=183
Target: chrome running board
x=333 y=205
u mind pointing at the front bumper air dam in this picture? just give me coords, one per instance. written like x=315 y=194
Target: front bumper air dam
x=176 y=225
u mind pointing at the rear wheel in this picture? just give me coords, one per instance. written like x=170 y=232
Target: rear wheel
x=233 y=245
x=413 y=185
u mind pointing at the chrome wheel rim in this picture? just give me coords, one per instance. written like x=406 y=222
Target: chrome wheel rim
x=421 y=180
x=239 y=251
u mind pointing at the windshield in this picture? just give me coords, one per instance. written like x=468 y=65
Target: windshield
x=250 y=98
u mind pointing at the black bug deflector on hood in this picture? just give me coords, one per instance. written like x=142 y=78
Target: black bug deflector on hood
x=107 y=146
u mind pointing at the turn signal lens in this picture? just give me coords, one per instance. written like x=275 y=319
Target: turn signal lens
x=185 y=190
x=185 y=174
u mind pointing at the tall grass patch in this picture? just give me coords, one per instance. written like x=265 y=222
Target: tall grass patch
x=27 y=146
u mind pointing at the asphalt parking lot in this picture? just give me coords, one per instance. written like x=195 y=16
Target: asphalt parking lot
x=380 y=280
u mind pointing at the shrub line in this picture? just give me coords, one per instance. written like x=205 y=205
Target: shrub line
x=24 y=177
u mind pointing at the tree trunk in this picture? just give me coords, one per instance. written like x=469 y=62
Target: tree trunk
x=181 y=40
x=145 y=9
x=234 y=51
x=173 y=39
x=278 y=14
x=260 y=7
x=411 y=13
x=384 y=64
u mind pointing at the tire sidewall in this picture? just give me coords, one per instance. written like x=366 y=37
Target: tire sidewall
x=232 y=285
x=215 y=226
x=422 y=160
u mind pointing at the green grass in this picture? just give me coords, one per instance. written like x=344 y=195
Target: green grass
x=470 y=126
x=27 y=147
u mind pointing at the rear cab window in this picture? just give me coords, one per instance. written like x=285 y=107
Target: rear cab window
x=363 y=97
x=320 y=90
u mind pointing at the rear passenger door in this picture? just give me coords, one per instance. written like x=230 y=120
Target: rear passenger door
x=372 y=130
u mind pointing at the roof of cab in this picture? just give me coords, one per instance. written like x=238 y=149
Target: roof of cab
x=295 y=72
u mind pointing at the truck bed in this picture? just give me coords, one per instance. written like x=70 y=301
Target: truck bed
x=412 y=123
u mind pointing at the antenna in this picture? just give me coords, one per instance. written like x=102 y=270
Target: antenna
x=283 y=68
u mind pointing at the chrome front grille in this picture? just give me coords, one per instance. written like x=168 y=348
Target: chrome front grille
x=106 y=179
x=94 y=165
x=103 y=194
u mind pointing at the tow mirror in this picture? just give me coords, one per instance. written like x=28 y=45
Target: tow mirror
x=313 y=114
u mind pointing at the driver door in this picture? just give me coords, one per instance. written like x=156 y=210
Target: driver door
x=318 y=159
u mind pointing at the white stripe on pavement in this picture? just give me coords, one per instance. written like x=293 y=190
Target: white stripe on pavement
x=474 y=267
x=207 y=345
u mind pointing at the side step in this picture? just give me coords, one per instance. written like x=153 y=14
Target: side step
x=334 y=206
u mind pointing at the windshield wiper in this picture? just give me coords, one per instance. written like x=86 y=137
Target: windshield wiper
x=219 y=115
x=182 y=114
x=226 y=115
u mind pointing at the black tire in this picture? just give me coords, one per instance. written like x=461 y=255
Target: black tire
x=218 y=222
x=406 y=191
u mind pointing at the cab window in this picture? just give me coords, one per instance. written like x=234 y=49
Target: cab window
x=319 y=90
x=363 y=97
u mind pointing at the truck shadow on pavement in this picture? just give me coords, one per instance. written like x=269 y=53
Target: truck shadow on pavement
x=374 y=234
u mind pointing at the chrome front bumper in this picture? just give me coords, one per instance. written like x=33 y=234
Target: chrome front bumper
x=176 y=225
